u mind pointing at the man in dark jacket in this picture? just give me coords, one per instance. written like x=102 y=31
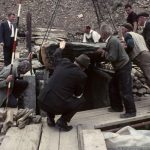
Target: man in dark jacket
x=144 y=21
x=65 y=86
x=132 y=16
x=120 y=88
x=7 y=33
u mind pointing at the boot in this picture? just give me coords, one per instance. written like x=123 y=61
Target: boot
x=61 y=124
x=50 y=122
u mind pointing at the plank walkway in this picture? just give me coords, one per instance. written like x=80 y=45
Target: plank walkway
x=82 y=137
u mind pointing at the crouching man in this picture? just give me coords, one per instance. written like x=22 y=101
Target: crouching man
x=18 y=85
x=120 y=89
x=65 y=86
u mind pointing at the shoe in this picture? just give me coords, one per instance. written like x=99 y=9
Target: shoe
x=114 y=110
x=50 y=122
x=63 y=125
x=127 y=115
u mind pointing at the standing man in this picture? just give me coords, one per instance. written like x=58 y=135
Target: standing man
x=144 y=21
x=65 y=86
x=132 y=17
x=120 y=89
x=90 y=36
x=137 y=50
x=7 y=32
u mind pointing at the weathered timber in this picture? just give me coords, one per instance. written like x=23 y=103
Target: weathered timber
x=93 y=140
x=25 y=139
x=49 y=137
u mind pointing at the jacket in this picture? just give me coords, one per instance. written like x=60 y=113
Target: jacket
x=3 y=85
x=67 y=81
x=135 y=44
x=5 y=34
x=146 y=34
x=116 y=53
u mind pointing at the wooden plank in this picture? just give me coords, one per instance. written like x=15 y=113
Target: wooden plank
x=50 y=138
x=93 y=140
x=24 y=139
x=68 y=140
x=80 y=128
x=105 y=120
x=103 y=111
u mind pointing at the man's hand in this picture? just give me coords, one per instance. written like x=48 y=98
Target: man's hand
x=1 y=44
x=30 y=56
x=62 y=44
x=9 y=78
x=101 y=52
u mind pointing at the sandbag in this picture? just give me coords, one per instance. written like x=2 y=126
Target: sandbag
x=128 y=139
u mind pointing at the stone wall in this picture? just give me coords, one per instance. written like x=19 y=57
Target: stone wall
x=72 y=15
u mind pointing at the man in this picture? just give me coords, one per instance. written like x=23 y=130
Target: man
x=120 y=88
x=144 y=21
x=90 y=36
x=60 y=95
x=7 y=32
x=137 y=50
x=132 y=17
x=17 y=84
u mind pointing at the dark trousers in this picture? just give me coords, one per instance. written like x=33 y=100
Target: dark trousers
x=18 y=89
x=66 y=109
x=120 y=90
x=7 y=55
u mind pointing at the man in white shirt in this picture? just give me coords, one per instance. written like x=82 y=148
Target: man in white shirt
x=90 y=36
x=7 y=32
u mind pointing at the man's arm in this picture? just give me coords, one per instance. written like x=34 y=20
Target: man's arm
x=80 y=87
x=129 y=43
x=84 y=38
x=146 y=34
x=95 y=36
x=57 y=56
x=135 y=25
x=1 y=34
x=4 y=82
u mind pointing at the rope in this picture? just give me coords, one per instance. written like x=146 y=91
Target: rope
x=97 y=11
x=50 y=24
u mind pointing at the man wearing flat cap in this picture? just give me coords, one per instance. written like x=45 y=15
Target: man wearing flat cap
x=144 y=22
x=120 y=87
x=18 y=85
x=137 y=49
x=64 y=88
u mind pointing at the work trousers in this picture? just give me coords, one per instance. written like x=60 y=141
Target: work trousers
x=120 y=90
x=65 y=108
x=143 y=61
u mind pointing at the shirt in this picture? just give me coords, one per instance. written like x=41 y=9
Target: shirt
x=132 y=17
x=11 y=26
x=93 y=34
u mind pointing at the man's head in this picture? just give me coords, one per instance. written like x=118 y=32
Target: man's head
x=11 y=17
x=87 y=29
x=105 y=31
x=24 y=67
x=142 y=17
x=128 y=8
x=126 y=27
x=82 y=61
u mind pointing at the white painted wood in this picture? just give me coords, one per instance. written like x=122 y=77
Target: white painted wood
x=93 y=140
x=49 y=138
x=68 y=140
x=24 y=139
